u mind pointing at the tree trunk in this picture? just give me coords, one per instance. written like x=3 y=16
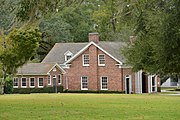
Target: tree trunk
x=1 y=89
x=2 y=83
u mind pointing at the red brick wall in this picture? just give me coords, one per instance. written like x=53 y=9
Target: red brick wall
x=95 y=72
x=128 y=71
x=52 y=73
x=45 y=77
x=36 y=80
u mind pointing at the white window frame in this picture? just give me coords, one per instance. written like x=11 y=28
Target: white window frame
x=60 y=78
x=82 y=83
x=21 y=83
x=102 y=85
x=49 y=79
x=99 y=64
x=30 y=82
x=68 y=53
x=16 y=78
x=38 y=82
x=83 y=59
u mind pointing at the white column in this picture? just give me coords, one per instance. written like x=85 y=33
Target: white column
x=156 y=83
x=149 y=83
x=138 y=82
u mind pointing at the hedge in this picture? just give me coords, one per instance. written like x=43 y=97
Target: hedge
x=88 y=91
x=37 y=90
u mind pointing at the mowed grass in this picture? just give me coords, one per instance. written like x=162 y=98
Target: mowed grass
x=89 y=107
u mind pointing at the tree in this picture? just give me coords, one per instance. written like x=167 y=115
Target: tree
x=7 y=13
x=157 y=47
x=54 y=30
x=16 y=49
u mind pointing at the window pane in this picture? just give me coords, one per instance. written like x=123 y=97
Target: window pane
x=101 y=59
x=59 y=78
x=15 y=82
x=84 y=82
x=86 y=60
x=104 y=83
x=68 y=57
x=49 y=79
x=40 y=81
x=23 y=82
x=31 y=81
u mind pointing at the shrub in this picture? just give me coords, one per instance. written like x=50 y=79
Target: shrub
x=89 y=91
x=158 y=89
x=8 y=88
x=37 y=90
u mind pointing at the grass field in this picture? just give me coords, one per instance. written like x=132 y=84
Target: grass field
x=89 y=107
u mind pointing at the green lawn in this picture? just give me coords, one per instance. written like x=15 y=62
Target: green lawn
x=89 y=107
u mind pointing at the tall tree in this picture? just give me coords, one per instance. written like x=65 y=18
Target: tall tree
x=16 y=49
x=157 y=47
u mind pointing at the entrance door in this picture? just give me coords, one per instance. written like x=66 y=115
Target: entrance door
x=144 y=83
x=128 y=84
x=54 y=83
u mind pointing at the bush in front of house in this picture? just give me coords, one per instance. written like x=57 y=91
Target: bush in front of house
x=8 y=87
x=37 y=90
x=89 y=91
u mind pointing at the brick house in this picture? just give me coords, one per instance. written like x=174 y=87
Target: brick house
x=93 y=66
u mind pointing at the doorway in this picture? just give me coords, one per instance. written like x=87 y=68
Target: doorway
x=128 y=88
x=144 y=83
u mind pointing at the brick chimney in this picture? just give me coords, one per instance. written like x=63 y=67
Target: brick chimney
x=94 y=37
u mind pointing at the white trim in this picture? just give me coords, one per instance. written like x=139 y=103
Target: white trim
x=99 y=60
x=121 y=66
x=63 y=72
x=21 y=83
x=38 y=82
x=130 y=84
x=67 y=53
x=83 y=59
x=48 y=79
x=83 y=49
x=101 y=82
x=30 y=82
x=17 y=82
x=81 y=83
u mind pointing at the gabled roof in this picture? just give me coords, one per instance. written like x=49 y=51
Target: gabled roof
x=37 y=68
x=56 y=54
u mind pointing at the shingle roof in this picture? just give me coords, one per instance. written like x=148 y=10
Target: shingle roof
x=114 y=48
x=56 y=55
x=35 y=69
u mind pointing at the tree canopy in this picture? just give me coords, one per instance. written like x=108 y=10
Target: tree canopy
x=16 y=49
x=157 y=47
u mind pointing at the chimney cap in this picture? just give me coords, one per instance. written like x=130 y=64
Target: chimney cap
x=94 y=33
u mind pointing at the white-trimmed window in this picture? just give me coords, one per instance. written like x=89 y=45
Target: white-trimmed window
x=40 y=82
x=59 y=79
x=68 y=55
x=49 y=79
x=31 y=82
x=85 y=60
x=84 y=83
x=104 y=83
x=23 y=82
x=15 y=82
x=101 y=60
